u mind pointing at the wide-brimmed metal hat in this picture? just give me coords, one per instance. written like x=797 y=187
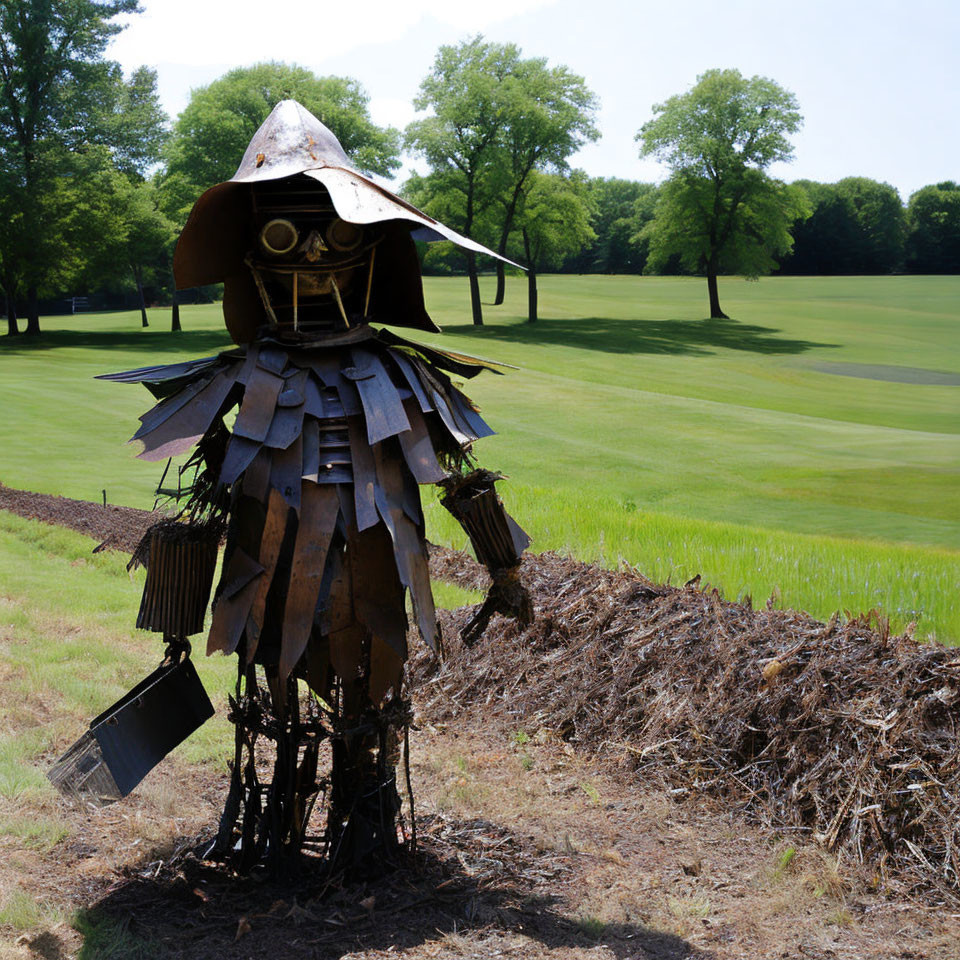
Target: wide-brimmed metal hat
x=292 y=142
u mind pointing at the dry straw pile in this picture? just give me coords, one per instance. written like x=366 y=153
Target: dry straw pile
x=838 y=730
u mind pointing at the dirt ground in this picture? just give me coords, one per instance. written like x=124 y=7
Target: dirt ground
x=528 y=847
x=525 y=849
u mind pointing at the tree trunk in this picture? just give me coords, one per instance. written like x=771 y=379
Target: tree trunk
x=175 y=310
x=501 y=283
x=12 y=328
x=143 y=304
x=474 y=288
x=33 y=313
x=505 y=236
x=531 y=280
x=715 y=312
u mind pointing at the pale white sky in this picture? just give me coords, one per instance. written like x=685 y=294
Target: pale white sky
x=878 y=82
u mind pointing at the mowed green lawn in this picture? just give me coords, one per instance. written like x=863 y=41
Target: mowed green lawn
x=808 y=448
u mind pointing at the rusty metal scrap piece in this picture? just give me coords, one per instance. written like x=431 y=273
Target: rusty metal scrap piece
x=286 y=471
x=256 y=480
x=179 y=432
x=238 y=587
x=163 y=381
x=311 y=450
x=378 y=593
x=287 y=424
x=418 y=451
x=364 y=475
x=314 y=403
x=272 y=359
x=462 y=364
x=259 y=403
x=386 y=670
x=251 y=355
x=405 y=365
x=154 y=417
x=409 y=549
x=318 y=517
x=336 y=609
x=441 y=406
x=270 y=543
x=240 y=454
x=468 y=414
x=382 y=404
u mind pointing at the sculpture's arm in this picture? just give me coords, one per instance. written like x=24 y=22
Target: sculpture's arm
x=499 y=543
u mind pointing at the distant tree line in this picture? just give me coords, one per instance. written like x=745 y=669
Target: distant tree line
x=856 y=226
x=95 y=182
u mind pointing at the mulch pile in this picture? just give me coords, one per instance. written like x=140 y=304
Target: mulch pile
x=836 y=730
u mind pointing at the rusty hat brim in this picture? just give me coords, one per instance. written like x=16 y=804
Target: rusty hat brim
x=291 y=141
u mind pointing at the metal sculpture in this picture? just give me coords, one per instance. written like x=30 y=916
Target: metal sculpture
x=315 y=485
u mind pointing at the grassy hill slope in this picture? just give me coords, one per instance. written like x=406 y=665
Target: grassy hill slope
x=808 y=448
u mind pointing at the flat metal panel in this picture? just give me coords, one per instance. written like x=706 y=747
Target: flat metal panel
x=239 y=456
x=382 y=405
x=286 y=471
x=259 y=403
x=179 y=432
x=132 y=736
x=417 y=447
x=318 y=518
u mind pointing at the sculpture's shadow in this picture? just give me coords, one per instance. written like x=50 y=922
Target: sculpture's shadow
x=469 y=879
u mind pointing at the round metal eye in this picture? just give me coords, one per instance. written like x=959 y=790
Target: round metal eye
x=344 y=236
x=278 y=237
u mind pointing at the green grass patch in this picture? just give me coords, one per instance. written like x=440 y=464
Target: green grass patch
x=35 y=833
x=635 y=428
x=18 y=909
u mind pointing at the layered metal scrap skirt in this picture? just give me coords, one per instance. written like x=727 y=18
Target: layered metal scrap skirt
x=322 y=464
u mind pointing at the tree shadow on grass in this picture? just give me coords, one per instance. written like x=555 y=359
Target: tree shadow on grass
x=190 y=343
x=470 y=879
x=630 y=336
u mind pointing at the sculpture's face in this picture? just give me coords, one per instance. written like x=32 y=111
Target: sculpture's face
x=306 y=259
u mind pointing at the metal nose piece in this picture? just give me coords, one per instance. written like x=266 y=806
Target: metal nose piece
x=313 y=248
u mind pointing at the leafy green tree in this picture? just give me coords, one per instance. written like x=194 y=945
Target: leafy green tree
x=857 y=226
x=823 y=244
x=211 y=134
x=139 y=242
x=554 y=218
x=933 y=216
x=621 y=208
x=58 y=96
x=550 y=114
x=470 y=103
x=432 y=191
x=719 y=210
x=132 y=122
x=879 y=224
